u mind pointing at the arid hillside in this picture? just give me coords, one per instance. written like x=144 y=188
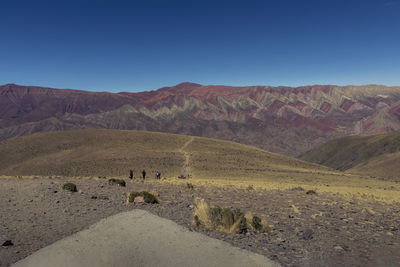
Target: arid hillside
x=95 y=152
x=284 y=120
x=374 y=155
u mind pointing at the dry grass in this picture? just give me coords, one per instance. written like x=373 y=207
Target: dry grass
x=201 y=214
x=348 y=186
x=92 y=153
x=372 y=155
x=112 y=153
x=226 y=220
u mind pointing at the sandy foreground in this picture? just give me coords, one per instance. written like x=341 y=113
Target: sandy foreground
x=139 y=238
x=36 y=212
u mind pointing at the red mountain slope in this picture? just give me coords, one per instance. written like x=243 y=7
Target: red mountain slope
x=280 y=119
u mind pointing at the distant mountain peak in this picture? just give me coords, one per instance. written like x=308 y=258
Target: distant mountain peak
x=187 y=84
x=181 y=87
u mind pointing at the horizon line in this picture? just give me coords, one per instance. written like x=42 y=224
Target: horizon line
x=193 y=83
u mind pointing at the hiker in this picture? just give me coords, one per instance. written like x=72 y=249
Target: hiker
x=158 y=175
x=144 y=174
x=131 y=174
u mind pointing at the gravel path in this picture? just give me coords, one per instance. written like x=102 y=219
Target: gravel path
x=139 y=238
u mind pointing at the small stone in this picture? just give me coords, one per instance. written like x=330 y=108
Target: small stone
x=57 y=201
x=308 y=234
x=93 y=197
x=389 y=234
x=55 y=191
x=30 y=200
x=138 y=199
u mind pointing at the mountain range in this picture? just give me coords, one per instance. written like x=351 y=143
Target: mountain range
x=285 y=120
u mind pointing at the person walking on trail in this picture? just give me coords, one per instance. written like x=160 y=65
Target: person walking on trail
x=144 y=174
x=158 y=175
x=131 y=174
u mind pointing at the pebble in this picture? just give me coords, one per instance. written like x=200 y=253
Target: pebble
x=308 y=234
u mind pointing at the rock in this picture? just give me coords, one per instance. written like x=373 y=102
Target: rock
x=138 y=199
x=338 y=248
x=103 y=197
x=93 y=197
x=55 y=191
x=57 y=201
x=5 y=241
x=389 y=234
x=308 y=234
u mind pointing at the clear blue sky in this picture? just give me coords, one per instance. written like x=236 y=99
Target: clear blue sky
x=111 y=45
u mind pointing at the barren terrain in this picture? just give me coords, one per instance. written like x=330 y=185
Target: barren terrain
x=36 y=212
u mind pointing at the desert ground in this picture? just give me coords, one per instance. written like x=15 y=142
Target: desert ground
x=321 y=229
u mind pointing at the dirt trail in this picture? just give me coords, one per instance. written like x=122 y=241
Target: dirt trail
x=142 y=239
x=186 y=166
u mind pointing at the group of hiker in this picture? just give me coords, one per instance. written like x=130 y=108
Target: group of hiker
x=158 y=174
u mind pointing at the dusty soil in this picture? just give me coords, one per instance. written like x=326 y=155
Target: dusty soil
x=37 y=212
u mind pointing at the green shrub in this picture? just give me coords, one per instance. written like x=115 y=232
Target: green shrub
x=119 y=182
x=70 y=187
x=148 y=197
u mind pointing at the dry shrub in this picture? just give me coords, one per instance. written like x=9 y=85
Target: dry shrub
x=202 y=214
x=70 y=187
x=226 y=220
x=257 y=224
x=154 y=193
x=119 y=182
